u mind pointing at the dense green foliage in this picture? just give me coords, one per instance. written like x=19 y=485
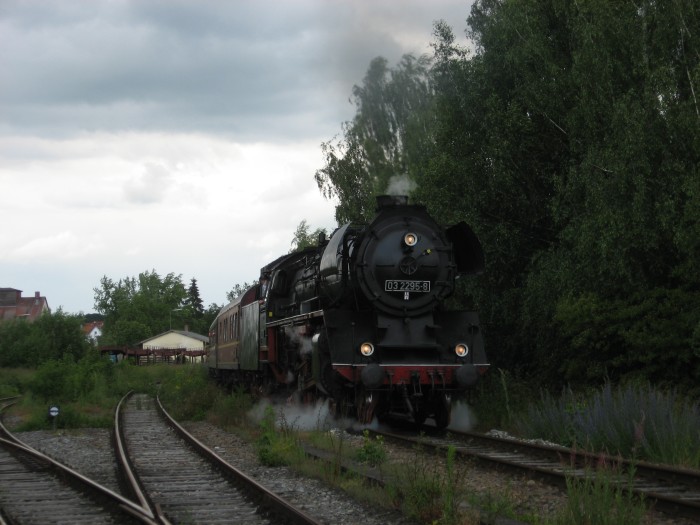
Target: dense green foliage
x=569 y=139
x=52 y=336
x=138 y=308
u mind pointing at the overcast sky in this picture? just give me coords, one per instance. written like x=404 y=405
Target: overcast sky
x=177 y=136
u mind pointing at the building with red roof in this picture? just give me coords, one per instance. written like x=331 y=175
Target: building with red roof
x=14 y=306
x=93 y=331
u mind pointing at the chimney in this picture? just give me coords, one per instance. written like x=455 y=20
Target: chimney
x=385 y=201
x=37 y=296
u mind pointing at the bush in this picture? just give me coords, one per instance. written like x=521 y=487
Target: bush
x=89 y=379
x=14 y=381
x=187 y=392
x=51 y=337
x=88 y=390
x=51 y=379
x=231 y=410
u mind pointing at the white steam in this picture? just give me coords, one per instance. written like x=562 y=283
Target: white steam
x=462 y=417
x=298 y=335
x=400 y=185
x=299 y=416
x=305 y=417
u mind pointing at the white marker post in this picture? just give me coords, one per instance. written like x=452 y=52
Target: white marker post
x=53 y=413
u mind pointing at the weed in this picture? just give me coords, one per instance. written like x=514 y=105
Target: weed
x=450 y=511
x=276 y=446
x=372 y=451
x=337 y=443
x=427 y=492
x=601 y=497
x=506 y=397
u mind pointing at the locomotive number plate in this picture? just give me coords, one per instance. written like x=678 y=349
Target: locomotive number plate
x=394 y=285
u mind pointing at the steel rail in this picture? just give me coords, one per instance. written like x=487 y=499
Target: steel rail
x=674 y=490
x=278 y=505
x=127 y=469
x=10 y=441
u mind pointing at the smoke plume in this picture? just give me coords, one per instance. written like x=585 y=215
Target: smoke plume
x=400 y=185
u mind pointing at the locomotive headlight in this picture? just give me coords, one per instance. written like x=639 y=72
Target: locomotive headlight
x=410 y=239
x=366 y=349
x=461 y=350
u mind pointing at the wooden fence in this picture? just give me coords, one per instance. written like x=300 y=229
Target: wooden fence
x=146 y=356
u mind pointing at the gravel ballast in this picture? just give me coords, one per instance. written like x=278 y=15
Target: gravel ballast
x=89 y=451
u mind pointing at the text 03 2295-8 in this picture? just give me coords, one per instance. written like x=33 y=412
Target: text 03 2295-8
x=394 y=285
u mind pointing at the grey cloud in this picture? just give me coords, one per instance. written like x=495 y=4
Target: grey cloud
x=249 y=69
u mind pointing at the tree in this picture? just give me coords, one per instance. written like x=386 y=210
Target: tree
x=210 y=314
x=570 y=142
x=390 y=136
x=193 y=302
x=238 y=290
x=138 y=308
x=193 y=310
x=303 y=239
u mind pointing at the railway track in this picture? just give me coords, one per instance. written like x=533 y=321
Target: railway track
x=672 y=490
x=170 y=478
x=35 y=489
x=183 y=481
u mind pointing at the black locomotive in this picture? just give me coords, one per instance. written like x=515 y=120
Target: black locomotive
x=360 y=319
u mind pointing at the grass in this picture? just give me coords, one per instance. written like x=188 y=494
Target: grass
x=634 y=421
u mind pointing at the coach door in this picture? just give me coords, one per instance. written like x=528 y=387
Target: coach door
x=250 y=326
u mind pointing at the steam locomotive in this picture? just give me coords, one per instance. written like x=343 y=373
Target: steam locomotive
x=360 y=320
